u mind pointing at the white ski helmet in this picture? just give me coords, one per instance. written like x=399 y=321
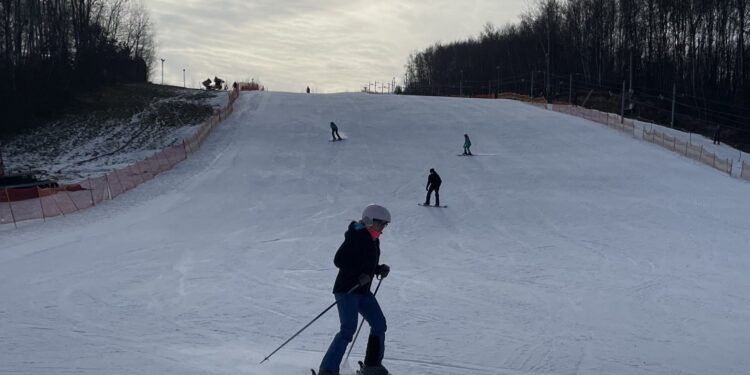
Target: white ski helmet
x=375 y=212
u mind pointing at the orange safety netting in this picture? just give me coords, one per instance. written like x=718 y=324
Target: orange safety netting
x=688 y=149
x=40 y=203
x=745 y=171
x=613 y=121
x=661 y=139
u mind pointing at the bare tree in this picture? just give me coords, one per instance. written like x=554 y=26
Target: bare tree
x=140 y=34
x=698 y=46
x=50 y=49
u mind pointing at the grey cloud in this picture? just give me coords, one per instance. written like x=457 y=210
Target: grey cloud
x=339 y=45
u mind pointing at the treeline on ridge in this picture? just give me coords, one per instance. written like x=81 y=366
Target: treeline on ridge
x=51 y=50
x=696 y=48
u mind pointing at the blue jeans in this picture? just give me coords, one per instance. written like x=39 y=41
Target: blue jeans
x=350 y=306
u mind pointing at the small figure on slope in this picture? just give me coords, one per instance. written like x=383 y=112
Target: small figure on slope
x=433 y=184
x=717 y=135
x=357 y=260
x=467 y=145
x=335 y=132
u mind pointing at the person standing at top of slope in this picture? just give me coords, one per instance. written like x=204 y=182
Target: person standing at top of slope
x=335 y=132
x=433 y=184
x=357 y=260
x=467 y=145
x=717 y=135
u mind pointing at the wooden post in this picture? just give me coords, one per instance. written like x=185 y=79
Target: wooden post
x=570 y=90
x=622 y=105
x=674 y=99
x=532 y=85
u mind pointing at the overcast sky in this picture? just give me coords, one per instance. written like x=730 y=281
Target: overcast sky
x=329 y=45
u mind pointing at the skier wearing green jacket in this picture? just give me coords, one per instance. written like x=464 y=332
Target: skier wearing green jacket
x=467 y=145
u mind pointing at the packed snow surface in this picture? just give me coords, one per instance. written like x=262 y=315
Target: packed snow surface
x=567 y=248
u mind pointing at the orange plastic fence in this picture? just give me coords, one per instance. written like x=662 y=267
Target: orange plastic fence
x=37 y=203
x=695 y=152
x=611 y=120
x=523 y=98
x=483 y=96
x=688 y=149
x=745 y=171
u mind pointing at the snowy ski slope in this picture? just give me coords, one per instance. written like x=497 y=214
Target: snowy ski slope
x=567 y=248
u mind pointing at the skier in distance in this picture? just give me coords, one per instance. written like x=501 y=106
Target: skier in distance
x=433 y=184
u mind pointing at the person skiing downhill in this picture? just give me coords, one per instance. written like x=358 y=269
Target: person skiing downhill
x=467 y=145
x=335 y=132
x=357 y=260
x=433 y=184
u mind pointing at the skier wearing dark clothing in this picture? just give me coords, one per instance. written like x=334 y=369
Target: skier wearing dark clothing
x=717 y=135
x=357 y=260
x=335 y=132
x=433 y=184
x=467 y=145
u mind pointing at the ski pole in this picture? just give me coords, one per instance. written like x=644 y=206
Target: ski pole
x=380 y=280
x=308 y=324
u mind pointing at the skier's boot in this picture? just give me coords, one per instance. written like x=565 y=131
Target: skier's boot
x=372 y=365
x=323 y=371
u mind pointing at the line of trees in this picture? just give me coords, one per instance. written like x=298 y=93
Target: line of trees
x=698 y=47
x=52 y=49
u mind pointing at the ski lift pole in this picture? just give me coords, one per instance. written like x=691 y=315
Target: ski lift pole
x=308 y=324
x=380 y=280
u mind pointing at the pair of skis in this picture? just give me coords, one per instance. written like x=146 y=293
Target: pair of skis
x=360 y=371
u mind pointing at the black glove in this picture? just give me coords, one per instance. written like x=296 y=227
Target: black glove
x=364 y=279
x=384 y=270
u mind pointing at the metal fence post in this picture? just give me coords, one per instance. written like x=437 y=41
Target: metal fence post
x=38 y=196
x=12 y=215
x=91 y=190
